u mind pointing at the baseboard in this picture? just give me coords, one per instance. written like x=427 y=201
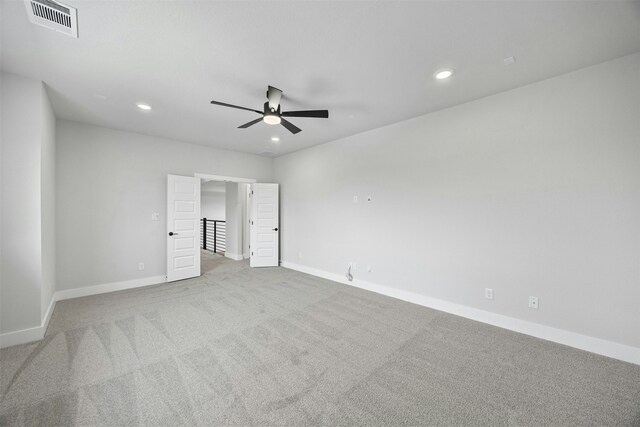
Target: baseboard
x=583 y=342
x=47 y=315
x=22 y=336
x=235 y=257
x=36 y=333
x=109 y=287
x=28 y=335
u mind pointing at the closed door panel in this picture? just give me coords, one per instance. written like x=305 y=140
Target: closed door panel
x=183 y=214
x=264 y=233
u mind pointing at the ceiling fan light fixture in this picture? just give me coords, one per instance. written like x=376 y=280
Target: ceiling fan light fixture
x=271 y=119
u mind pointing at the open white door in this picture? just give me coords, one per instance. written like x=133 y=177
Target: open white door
x=183 y=228
x=264 y=241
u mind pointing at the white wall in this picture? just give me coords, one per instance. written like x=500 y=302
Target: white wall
x=108 y=184
x=212 y=205
x=535 y=191
x=27 y=275
x=233 y=220
x=48 y=202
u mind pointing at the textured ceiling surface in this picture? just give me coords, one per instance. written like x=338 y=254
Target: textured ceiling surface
x=369 y=63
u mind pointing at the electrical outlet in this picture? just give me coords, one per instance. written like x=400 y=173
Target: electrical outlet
x=488 y=293
x=141 y=266
x=355 y=199
x=533 y=302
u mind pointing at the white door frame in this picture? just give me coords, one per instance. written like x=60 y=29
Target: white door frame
x=225 y=178
x=240 y=180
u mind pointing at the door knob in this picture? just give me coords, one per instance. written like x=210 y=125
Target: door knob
x=275 y=229
x=171 y=233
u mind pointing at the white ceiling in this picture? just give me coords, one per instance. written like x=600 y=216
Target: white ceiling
x=368 y=63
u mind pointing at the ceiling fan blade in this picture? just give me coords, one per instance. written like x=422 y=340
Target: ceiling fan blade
x=274 y=95
x=319 y=114
x=290 y=126
x=251 y=123
x=224 y=104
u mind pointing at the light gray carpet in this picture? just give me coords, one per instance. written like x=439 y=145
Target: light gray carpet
x=272 y=346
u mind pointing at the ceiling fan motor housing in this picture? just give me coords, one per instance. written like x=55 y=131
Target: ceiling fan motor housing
x=271 y=111
x=271 y=115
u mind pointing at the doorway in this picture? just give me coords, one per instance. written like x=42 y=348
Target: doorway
x=224 y=230
x=205 y=237
x=213 y=229
x=212 y=210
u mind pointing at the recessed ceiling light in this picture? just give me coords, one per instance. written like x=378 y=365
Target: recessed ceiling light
x=443 y=74
x=275 y=139
x=144 y=106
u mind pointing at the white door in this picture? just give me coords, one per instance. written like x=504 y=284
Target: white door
x=183 y=228
x=264 y=241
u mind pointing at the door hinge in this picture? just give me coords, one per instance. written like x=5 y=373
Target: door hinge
x=251 y=253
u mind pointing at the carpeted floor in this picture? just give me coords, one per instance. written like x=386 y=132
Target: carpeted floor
x=271 y=346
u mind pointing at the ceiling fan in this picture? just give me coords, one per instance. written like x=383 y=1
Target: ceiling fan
x=272 y=115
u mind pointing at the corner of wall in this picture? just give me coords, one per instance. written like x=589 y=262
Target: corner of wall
x=48 y=205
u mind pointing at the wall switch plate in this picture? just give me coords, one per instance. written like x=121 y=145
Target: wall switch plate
x=141 y=266
x=533 y=302
x=488 y=293
x=155 y=216
x=355 y=199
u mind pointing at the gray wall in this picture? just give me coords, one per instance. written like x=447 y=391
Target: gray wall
x=48 y=202
x=212 y=205
x=28 y=144
x=109 y=183
x=237 y=245
x=535 y=191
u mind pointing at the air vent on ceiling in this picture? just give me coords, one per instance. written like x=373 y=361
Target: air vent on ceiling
x=54 y=15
